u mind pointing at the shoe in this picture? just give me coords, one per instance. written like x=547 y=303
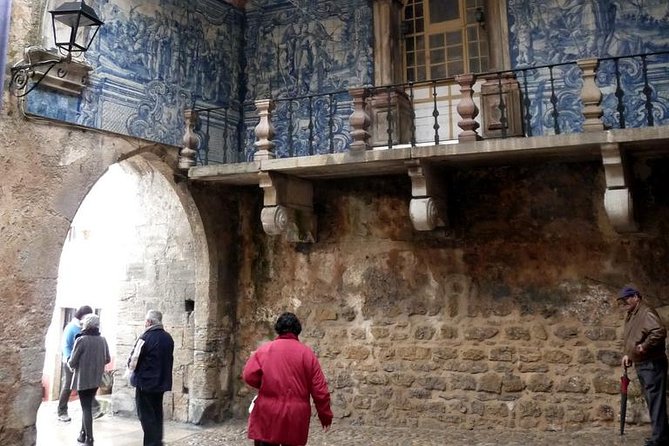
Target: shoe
x=82 y=437
x=98 y=414
x=64 y=418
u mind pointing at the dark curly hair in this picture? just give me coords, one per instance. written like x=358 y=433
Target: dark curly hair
x=83 y=311
x=288 y=323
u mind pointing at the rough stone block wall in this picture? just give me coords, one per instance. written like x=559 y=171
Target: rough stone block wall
x=504 y=318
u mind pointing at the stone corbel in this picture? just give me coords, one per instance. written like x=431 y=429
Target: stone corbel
x=617 y=197
x=66 y=76
x=427 y=208
x=288 y=207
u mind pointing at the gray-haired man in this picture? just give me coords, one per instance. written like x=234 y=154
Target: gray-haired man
x=152 y=376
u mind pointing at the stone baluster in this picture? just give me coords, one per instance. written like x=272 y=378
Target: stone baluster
x=467 y=109
x=359 y=120
x=591 y=96
x=264 y=131
x=188 y=153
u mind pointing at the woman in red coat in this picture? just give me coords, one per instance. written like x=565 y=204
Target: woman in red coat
x=287 y=373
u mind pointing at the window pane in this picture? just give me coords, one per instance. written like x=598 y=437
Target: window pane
x=408 y=12
x=436 y=40
x=473 y=50
x=443 y=10
x=411 y=61
x=410 y=75
x=437 y=56
x=409 y=44
x=419 y=26
x=456 y=68
x=474 y=66
x=454 y=38
x=420 y=58
x=419 y=9
x=420 y=74
x=472 y=33
x=420 y=42
x=438 y=71
x=455 y=52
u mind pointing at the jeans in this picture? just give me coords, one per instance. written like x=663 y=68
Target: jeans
x=66 y=391
x=653 y=377
x=150 y=414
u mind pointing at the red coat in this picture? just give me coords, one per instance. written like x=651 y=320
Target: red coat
x=287 y=372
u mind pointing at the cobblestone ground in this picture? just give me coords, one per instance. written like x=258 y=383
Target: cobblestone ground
x=342 y=434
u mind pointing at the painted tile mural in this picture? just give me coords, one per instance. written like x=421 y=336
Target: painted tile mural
x=153 y=59
x=544 y=32
x=306 y=50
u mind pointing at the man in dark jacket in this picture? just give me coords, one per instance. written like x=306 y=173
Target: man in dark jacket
x=151 y=364
x=644 y=343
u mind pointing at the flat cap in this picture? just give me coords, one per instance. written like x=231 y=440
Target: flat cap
x=628 y=291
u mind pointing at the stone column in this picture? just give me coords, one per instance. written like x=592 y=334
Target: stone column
x=359 y=121
x=387 y=35
x=188 y=153
x=467 y=109
x=264 y=131
x=591 y=96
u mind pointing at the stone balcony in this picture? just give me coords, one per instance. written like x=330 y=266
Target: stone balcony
x=581 y=111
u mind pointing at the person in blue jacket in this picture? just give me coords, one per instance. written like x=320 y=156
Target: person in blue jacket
x=150 y=365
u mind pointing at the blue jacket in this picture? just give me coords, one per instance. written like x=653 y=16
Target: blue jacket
x=153 y=372
x=72 y=329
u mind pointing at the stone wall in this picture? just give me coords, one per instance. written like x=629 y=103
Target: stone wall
x=505 y=318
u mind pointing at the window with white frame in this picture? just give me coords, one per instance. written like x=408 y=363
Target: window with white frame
x=443 y=38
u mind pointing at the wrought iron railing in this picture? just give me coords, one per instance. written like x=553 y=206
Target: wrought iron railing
x=572 y=97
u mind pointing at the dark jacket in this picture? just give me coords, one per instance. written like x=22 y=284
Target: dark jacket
x=89 y=356
x=153 y=372
x=644 y=327
x=287 y=374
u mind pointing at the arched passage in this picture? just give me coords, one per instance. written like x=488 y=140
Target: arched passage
x=136 y=243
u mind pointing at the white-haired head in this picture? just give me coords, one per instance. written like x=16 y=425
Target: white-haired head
x=154 y=317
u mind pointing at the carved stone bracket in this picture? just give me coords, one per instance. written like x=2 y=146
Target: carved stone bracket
x=427 y=208
x=617 y=197
x=188 y=153
x=288 y=207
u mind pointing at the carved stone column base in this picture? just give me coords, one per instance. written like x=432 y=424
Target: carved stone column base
x=493 y=124
x=396 y=102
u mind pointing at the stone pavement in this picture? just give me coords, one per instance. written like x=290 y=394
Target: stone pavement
x=121 y=431
x=343 y=434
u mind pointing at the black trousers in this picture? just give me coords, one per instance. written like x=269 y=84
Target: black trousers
x=653 y=377
x=86 y=398
x=150 y=414
x=66 y=391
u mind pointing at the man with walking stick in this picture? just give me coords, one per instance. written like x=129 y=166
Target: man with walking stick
x=644 y=346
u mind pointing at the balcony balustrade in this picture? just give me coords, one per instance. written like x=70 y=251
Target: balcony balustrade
x=593 y=109
x=565 y=98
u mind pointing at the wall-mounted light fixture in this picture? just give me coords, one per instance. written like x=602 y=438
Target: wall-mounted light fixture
x=75 y=25
x=479 y=15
